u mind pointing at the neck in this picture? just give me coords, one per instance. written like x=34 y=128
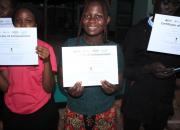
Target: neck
x=93 y=40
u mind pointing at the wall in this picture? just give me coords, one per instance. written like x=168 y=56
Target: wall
x=150 y=8
x=142 y=8
x=113 y=14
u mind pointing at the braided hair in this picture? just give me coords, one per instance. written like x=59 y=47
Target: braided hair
x=105 y=7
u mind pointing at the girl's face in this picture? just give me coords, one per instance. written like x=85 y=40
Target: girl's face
x=24 y=18
x=94 y=20
x=168 y=8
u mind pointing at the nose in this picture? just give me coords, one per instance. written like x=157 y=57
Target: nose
x=21 y=23
x=92 y=19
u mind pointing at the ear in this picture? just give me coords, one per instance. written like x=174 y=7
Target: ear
x=108 y=20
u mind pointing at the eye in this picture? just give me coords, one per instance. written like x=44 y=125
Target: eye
x=28 y=20
x=99 y=16
x=86 y=16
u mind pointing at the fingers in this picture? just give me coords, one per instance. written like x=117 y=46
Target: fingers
x=167 y=72
x=161 y=71
x=42 y=52
x=108 y=87
x=159 y=68
x=76 y=90
x=164 y=74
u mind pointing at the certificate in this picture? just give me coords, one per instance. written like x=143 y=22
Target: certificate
x=18 y=46
x=165 y=35
x=6 y=22
x=89 y=64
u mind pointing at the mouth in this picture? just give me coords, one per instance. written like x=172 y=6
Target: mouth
x=92 y=28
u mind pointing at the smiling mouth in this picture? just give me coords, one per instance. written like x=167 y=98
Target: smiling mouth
x=92 y=28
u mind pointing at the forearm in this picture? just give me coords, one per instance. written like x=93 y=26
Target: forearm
x=48 y=77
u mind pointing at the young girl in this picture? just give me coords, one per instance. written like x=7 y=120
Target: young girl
x=27 y=89
x=91 y=108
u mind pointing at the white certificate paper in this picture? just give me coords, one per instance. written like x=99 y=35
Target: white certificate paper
x=165 y=35
x=6 y=22
x=18 y=46
x=89 y=64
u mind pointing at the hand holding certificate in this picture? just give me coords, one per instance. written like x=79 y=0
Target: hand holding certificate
x=17 y=46
x=89 y=64
x=165 y=35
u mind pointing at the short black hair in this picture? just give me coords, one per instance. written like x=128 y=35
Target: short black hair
x=29 y=6
x=104 y=3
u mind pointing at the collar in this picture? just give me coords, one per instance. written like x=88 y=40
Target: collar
x=150 y=22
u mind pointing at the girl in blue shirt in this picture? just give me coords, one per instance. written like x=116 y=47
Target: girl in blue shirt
x=91 y=107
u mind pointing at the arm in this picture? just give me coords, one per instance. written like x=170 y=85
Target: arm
x=137 y=63
x=158 y=70
x=48 y=76
x=134 y=70
x=3 y=81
